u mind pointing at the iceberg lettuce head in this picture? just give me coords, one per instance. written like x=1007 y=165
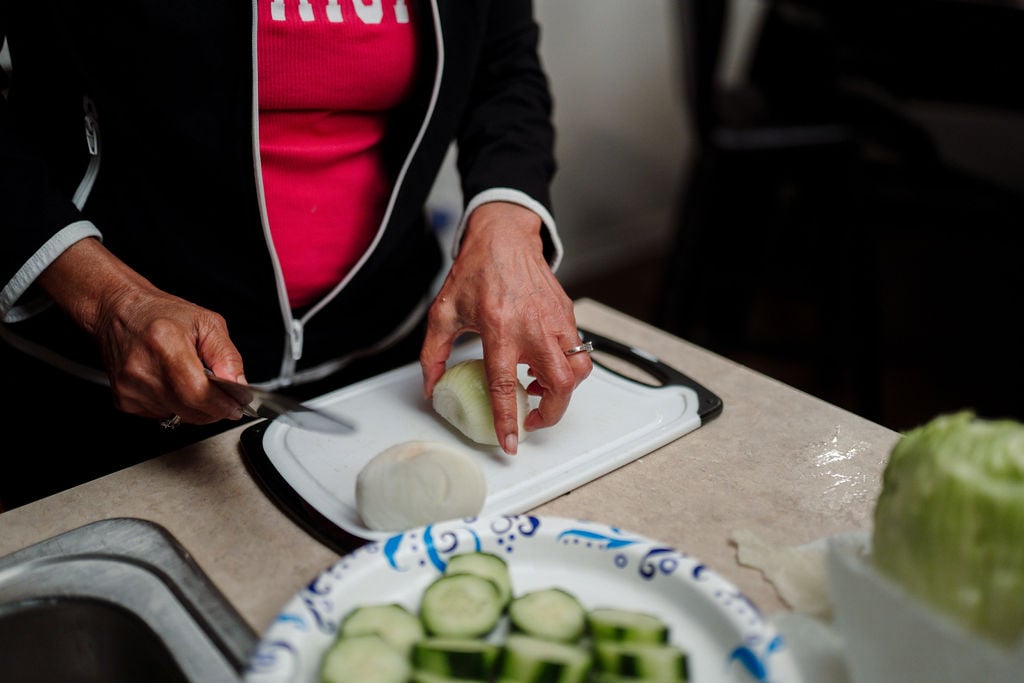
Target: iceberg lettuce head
x=949 y=521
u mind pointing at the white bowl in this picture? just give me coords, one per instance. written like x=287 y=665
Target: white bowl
x=892 y=637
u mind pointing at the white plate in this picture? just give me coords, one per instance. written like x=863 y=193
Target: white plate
x=727 y=639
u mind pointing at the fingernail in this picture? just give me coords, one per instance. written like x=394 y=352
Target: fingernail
x=511 y=444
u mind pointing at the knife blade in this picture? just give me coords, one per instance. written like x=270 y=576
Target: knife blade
x=258 y=402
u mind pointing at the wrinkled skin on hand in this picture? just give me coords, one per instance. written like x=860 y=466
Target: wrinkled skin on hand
x=501 y=287
x=155 y=346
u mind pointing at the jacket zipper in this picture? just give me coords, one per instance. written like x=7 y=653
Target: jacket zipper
x=92 y=141
x=297 y=331
x=293 y=328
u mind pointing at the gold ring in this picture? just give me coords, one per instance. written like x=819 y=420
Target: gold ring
x=171 y=422
x=584 y=347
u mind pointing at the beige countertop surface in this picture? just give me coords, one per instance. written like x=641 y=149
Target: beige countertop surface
x=777 y=462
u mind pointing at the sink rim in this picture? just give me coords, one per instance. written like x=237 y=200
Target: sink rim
x=139 y=565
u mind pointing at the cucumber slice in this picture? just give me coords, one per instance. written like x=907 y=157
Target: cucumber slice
x=659 y=662
x=392 y=622
x=461 y=606
x=605 y=677
x=528 y=659
x=461 y=658
x=550 y=613
x=431 y=677
x=608 y=623
x=364 y=659
x=487 y=565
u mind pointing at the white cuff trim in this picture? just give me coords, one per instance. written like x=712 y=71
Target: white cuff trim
x=28 y=273
x=505 y=194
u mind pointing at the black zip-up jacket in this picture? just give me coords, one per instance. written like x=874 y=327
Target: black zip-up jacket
x=135 y=120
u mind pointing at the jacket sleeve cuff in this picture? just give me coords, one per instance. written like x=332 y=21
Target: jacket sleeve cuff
x=18 y=285
x=552 y=242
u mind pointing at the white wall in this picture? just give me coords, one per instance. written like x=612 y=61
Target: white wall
x=621 y=129
x=622 y=132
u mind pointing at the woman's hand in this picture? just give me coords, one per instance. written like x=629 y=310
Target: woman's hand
x=155 y=346
x=501 y=287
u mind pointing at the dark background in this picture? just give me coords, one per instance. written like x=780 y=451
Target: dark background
x=850 y=219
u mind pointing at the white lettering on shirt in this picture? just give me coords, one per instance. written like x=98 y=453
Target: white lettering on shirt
x=371 y=12
x=401 y=12
x=334 y=12
x=368 y=11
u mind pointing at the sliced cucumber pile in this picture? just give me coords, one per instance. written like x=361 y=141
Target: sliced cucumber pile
x=471 y=627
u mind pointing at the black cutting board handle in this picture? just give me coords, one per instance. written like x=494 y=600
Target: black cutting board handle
x=709 y=404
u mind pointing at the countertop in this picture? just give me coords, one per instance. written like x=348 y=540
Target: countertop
x=777 y=462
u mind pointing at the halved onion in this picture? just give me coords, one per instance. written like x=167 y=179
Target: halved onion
x=419 y=482
x=461 y=396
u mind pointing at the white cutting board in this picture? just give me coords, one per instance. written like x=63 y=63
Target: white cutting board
x=610 y=421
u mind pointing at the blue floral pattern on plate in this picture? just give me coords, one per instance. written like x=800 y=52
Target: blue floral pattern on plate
x=727 y=637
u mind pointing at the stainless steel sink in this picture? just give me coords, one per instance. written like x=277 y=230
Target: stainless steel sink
x=116 y=600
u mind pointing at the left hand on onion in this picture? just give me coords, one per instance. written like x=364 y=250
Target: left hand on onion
x=501 y=287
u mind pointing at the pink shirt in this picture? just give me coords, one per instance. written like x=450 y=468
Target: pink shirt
x=328 y=74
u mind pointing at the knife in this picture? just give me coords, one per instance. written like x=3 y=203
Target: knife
x=257 y=402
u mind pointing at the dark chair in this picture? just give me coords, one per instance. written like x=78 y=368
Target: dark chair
x=821 y=223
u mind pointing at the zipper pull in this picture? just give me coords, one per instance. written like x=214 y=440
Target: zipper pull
x=91 y=136
x=92 y=141
x=297 y=332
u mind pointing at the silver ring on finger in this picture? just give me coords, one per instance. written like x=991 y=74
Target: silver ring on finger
x=585 y=347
